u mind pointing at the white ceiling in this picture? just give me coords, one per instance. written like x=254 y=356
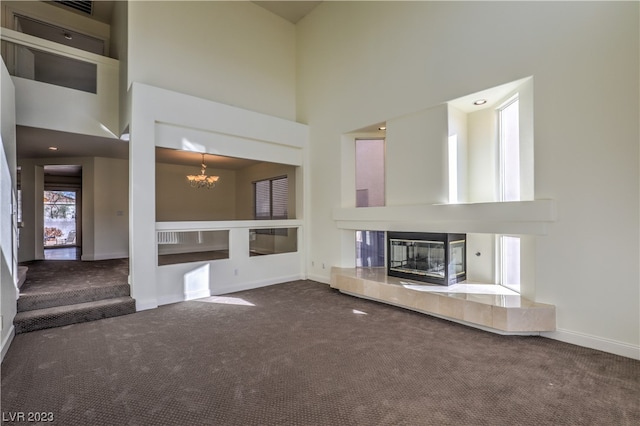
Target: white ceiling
x=35 y=143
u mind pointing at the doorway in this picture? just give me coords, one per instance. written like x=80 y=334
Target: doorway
x=62 y=212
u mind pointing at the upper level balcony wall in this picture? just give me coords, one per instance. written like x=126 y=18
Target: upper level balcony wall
x=50 y=106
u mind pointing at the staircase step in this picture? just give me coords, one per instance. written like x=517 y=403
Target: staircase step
x=64 y=315
x=34 y=301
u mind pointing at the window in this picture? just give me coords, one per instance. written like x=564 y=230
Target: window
x=370 y=183
x=60 y=218
x=271 y=198
x=370 y=172
x=509 y=133
x=369 y=248
x=453 y=168
x=510 y=262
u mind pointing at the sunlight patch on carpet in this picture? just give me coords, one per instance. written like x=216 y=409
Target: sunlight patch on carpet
x=225 y=300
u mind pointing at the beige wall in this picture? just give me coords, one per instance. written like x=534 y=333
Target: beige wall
x=231 y=199
x=177 y=201
x=236 y=53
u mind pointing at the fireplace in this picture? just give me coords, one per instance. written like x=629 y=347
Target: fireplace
x=436 y=258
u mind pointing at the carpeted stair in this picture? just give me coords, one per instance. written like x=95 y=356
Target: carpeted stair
x=71 y=296
x=55 y=309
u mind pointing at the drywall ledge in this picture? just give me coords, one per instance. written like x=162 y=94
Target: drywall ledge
x=512 y=217
x=501 y=314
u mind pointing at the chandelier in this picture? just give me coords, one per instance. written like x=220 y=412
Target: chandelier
x=202 y=180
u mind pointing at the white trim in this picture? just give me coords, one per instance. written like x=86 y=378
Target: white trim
x=216 y=291
x=169 y=299
x=143 y=305
x=7 y=342
x=319 y=278
x=226 y=224
x=198 y=294
x=104 y=256
x=56 y=48
x=594 y=342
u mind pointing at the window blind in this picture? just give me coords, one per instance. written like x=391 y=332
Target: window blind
x=272 y=198
x=263 y=199
x=279 y=198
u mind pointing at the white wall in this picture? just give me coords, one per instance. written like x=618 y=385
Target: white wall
x=119 y=50
x=110 y=208
x=236 y=53
x=8 y=273
x=59 y=108
x=162 y=118
x=416 y=157
x=483 y=160
x=54 y=107
x=31 y=234
x=585 y=128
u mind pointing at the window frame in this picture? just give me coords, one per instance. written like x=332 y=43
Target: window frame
x=501 y=146
x=271 y=231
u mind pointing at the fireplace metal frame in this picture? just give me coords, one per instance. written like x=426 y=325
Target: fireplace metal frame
x=448 y=277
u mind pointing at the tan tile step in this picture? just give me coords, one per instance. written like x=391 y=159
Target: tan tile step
x=476 y=304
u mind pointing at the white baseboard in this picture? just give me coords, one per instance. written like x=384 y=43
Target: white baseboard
x=253 y=284
x=169 y=299
x=104 y=256
x=6 y=342
x=143 y=305
x=199 y=294
x=594 y=342
x=319 y=278
x=231 y=288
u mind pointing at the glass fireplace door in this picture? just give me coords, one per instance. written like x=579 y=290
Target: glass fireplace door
x=418 y=257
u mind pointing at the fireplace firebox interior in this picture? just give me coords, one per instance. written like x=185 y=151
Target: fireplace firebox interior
x=437 y=258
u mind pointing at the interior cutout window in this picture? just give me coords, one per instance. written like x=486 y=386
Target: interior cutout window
x=370 y=173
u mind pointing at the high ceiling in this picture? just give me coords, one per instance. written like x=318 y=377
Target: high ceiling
x=35 y=142
x=292 y=11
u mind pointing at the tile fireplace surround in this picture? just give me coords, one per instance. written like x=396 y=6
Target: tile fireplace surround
x=487 y=306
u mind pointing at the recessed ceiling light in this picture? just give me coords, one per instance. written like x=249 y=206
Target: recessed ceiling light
x=480 y=102
x=53 y=148
x=382 y=128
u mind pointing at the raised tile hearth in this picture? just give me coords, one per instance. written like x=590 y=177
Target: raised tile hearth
x=487 y=306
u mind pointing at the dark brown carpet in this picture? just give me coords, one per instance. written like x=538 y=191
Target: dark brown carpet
x=302 y=354
x=55 y=276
